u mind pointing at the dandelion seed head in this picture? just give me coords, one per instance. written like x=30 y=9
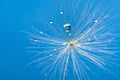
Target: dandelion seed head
x=71 y=43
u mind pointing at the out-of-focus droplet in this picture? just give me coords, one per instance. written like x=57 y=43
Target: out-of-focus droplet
x=51 y=22
x=41 y=32
x=96 y=20
x=61 y=12
x=55 y=49
x=35 y=40
x=69 y=34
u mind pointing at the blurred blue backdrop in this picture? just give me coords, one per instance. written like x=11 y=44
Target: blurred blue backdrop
x=15 y=17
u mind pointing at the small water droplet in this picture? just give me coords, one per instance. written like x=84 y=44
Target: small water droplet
x=94 y=37
x=61 y=12
x=91 y=40
x=66 y=65
x=35 y=40
x=64 y=43
x=69 y=34
x=41 y=32
x=67 y=30
x=55 y=49
x=79 y=45
x=67 y=27
x=51 y=43
x=50 y=54
x=45 y=74
x=51 y=22
x=96 y=20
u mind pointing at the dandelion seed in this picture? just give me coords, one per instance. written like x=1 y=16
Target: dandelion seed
x=67 y=48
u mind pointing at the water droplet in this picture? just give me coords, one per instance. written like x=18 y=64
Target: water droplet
x=94 y=37
x=79 y=45
x=45 y=74
x=51 y=22
x=66 y=65
x=69 y=34
x=50 y=54
x=41 y=32
x=55 y=49
x=67 y=30
x=67 y=27
x=61 y=12
x=96 y=20
x=51 y=43
x=64 y=43
x=35 y=40
x=91 y=40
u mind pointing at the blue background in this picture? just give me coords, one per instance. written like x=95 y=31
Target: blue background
x=15 y=17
